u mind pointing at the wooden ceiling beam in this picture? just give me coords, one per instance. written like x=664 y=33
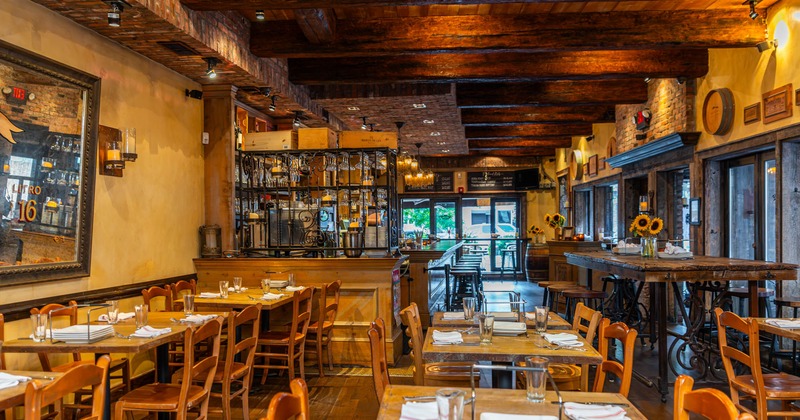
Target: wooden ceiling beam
x=317 y=25
x=519 y=144
x=512 y=33
x=207 y=5
x=542 y=131
x=536 y=114
x=520 y=152
x=551 y=93
x=497 y=67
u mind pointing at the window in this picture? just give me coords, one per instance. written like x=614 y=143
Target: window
x=583 y=212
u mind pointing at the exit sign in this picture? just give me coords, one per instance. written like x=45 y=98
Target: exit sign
x=18 y=96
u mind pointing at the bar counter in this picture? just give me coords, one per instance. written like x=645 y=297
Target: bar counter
x=370 y=289
x=426 y=287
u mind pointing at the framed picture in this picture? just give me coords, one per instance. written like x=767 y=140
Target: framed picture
x=694 y=211
x=602 y=164
x=797 y=97
x=778 y=104
x=752 y=113
x=592 y=165
x=567 y=232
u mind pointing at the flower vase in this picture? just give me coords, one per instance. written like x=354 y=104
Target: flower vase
x=649 y=247
x=557 y=233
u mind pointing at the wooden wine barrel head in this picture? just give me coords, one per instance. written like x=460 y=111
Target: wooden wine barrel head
x=576 y=165
x=718 y=111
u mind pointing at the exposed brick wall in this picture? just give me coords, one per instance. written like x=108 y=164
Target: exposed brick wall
x=54 y=107
x=671 y=105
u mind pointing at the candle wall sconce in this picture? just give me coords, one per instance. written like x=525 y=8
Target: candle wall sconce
x=116 y=147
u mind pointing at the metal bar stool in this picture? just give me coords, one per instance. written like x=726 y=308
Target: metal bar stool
x=555 y=289
x=509 y=252
x=572 y=297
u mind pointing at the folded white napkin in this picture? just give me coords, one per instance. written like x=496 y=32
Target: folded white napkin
x=419 y=411
x=577 y=411
x=294 y=288
x=563 y=339
x=447 y=337
x=120 y=316
x=241 y=289
x=197 y=318
x=531 y=316
x=450 y=316
x=209 y=295
x=46 y=334
x=150 y=332
x=8 y=380
x=503 y=416
x=784 y=323
x=271 y=296
x=672 y=249
x=622 y=244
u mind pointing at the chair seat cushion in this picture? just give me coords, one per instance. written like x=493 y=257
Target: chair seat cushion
x=237 y=370
x=776 y=385
x=161 y=397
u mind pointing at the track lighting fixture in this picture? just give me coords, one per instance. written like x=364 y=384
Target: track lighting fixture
x=260 y=15
x=212 y=62
x=681 y=80
x=265 y=91
x=272 y=104
x=766 y=45
x=364 y=123
x=297 y=115
x=114 y=15
x=753 y=14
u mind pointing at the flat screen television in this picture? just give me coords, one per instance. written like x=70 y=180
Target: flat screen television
x=526 y=179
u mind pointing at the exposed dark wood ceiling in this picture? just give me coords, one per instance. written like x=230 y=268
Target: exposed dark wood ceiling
x=497 y=77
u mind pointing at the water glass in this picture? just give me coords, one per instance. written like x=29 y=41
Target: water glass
x=291 y=280
x=113 y=311
x=265 y=285
x=450 y=402
x=469 y=307
x=237 y=284
x=536 y=380
x=188 y=304
x=223 y=289
x=486 y=327
x=39 y=323
x=540 y=315
x=141 y=315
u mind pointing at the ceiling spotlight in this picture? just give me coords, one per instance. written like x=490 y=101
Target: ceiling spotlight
x=212 y=62
x=647 y=79
x=428 y=121
x=435 y=134
x=353 y=108
x=399 y=125
x=753 y=14
x=260 y=15
x=272 y=104
x=114 y=19
x=766 y=45
x=681 y=80
x=297 y=115
x=265 y=91
x=364 y=123
x=590 y=137
x=418 y=106
x=371 y=127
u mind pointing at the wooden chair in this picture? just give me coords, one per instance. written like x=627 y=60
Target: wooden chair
x=624 y=370
x=377 y=346
x=285 y=406
x=455 y=374
x=289 y=345
x=757 y=385
x=2 y=338
x=194 y=389
x=179 y=289
x=708 y=402
x=156 y=291
x=586 y=320
x=38 y=395
x=243 y=330
x=319 y=332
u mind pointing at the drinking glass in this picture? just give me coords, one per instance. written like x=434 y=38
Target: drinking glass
x=223 y=289
x=486 y=327
x=291 y=280
x=188 y=304
x=536 y=380
x=540 y=315
x=265 y=285
x=113 y=311
x=39 y=323
x=450 y=403
x=237 y=284
x=141 y=315
x=469 y=307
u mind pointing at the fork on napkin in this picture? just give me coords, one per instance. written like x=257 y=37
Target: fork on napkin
x=120 y=316
x=209 y=295
x=447 y=337
x=197 y=318
x=784 y=323
x=150 y=332
x=578 y=411
x=419 y=411
x=563 y=339
x=8 y=380
x=294 y=288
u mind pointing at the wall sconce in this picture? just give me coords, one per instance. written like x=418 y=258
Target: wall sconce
x=115 y=147
x=113 y=153
x=129 y=145
x=644 y=205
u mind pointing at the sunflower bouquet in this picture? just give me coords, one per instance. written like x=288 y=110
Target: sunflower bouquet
x=535 y=230
x=648 y=229
x=555 y=220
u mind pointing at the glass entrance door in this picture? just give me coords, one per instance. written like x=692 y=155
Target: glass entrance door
x=750 y=222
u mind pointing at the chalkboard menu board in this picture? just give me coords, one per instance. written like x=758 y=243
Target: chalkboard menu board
x=442 y=182
x=490 y=181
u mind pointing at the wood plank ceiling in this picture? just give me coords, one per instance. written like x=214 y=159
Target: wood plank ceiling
x=485 y=77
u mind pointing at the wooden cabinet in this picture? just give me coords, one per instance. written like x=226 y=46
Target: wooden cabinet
x=560 y=270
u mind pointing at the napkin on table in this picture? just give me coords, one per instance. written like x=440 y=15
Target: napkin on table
x=241 y=289
x=197 y=318
x=150 y=332
x=120 y=316
x=563 y=339
x=294 y=288
x=447 y=337
x=503 y=416
x=450 y=316
x=419 y=411
x=271 y=296
x=577 y=411
x=8 y=380
x=784 y=323
x=209 y=295
x=673 y=250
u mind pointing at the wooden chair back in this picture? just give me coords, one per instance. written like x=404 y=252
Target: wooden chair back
x=2 y=338
x=38 y=395
x=198 y=369
x=301 y=309
x=58 y=311
x=708 y=402
x=586 y=321
x=624 y=370
x=180 y=288
x=729 y=353
x=157 y=291
x=285 y=406
x=246 y=324
x=380 y=367
x=410 y=316
x=329 y=303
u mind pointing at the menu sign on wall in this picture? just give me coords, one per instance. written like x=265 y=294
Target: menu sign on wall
x=491 y=181
x=442 y=182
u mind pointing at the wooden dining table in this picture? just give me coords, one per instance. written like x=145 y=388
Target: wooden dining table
x=243 y=299
x=15 y=395
x=658 y=273
x=554 y=322
x=509 y=349
x=505 y=401
x=790 y=333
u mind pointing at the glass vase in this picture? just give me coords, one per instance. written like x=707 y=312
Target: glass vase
x=557 y=233
x=649 y=247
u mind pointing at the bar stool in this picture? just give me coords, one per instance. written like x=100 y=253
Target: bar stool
x=573 y=296
x=793 y=303
x=448 y=305
x=509 y=252
x=555 y=289
x=743 y=294
x=466 y=284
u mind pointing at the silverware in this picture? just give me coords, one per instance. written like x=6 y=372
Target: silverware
x=598 y=403
x=429 y=398
x=127 y=337
x=456 y=344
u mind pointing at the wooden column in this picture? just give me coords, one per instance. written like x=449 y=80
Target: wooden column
x=218 y=109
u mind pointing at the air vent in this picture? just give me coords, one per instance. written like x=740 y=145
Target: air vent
x=179 y=48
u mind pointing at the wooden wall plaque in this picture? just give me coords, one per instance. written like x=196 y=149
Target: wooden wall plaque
x=778 y=104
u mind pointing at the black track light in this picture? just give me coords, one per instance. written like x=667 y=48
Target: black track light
x=212 y=62
x=272 y=104
x=297 y=115
x=753 y=14
x=114 y=15
x=364 y=123
x=265 y=91
x=260 y=15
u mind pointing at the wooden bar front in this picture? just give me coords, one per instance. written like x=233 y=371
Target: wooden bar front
x=368 y=292
x=425 y=287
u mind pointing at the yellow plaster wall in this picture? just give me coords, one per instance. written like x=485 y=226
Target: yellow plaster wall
x=603 y=133
x=145 y=223
x=540 y=202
